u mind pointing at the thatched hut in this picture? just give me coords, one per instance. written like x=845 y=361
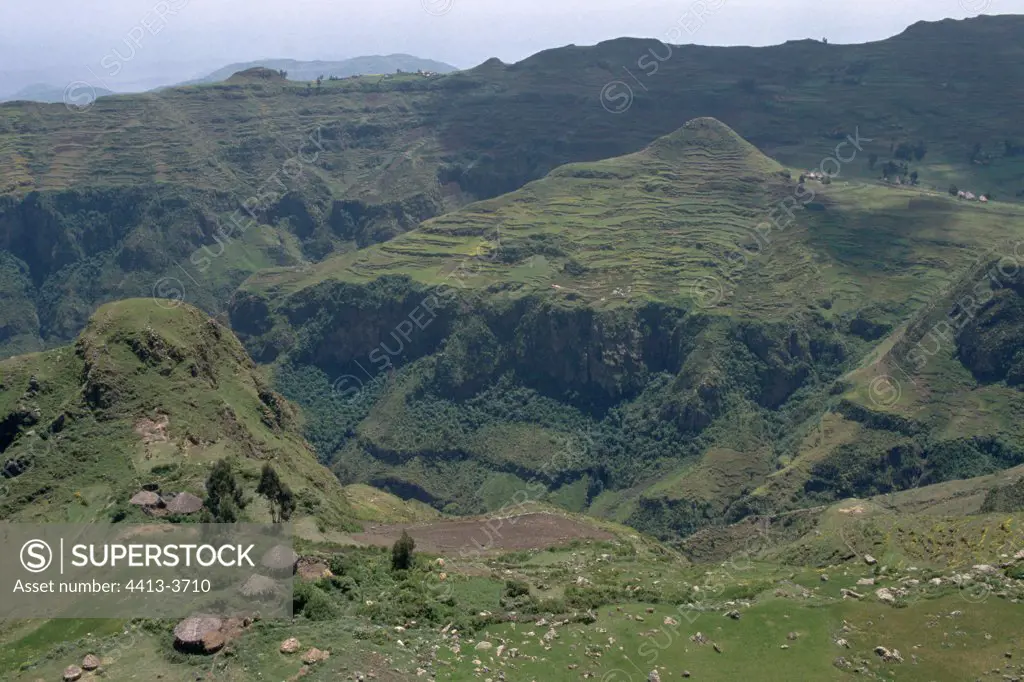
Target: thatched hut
x=183 y=503
x=280 y=560
x=72 y=673
x=146 y=498
x=196 y=633
x=258 y=587
x=90 y=662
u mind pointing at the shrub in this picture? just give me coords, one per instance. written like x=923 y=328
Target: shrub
x=402 y=553
x=224 y=497
x=516 y=588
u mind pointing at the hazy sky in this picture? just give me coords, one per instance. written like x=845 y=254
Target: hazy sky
x=55 y=40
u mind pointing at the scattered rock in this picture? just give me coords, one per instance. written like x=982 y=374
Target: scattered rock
x=888 y=655
x=866 y=581
x=290 y=646
x=850 y=593
x=792 y=636
x=483 y=646
x=735 y=615
x=885 y=595
x=654 y=676
x=314 y=655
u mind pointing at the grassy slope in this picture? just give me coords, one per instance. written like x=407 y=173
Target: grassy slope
x=683 y=213
x=649 y=603
x=642 y=226
x=137 y=361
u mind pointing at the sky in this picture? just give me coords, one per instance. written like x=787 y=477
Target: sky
x=58 y=41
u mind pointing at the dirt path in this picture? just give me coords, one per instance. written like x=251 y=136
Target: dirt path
x=536 y=530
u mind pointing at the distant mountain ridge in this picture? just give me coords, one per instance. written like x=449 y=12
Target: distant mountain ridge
x=297 y=70
x=309 y=70
x=44 y=92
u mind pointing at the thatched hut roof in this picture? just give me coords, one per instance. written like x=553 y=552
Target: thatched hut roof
x=280 y=558
x=213 y=642
x=90 y=662
x=183 y=503
x=72 y=673
x=146 y=498
x=259 y=586
x=192 y=630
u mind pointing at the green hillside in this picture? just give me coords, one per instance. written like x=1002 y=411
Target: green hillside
x=656 y=316
x=671 y=361
x=353 y=162
x=147 y=396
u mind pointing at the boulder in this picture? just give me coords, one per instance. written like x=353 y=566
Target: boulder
x=314 y=655
x=886 y=595
x=888 y=655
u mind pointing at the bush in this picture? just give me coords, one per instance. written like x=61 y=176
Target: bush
x=516 y=588
x=224 y=496
x=313 y=603
x=402 y=553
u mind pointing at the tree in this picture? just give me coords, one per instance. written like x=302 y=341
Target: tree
x=319 y=82
x=401 y=553
x=224 y=496
x=954 y=190
x=913 y=178
x=279 y=496
x=285 y=503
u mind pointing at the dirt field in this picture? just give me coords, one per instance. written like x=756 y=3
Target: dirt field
x=536 y=530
